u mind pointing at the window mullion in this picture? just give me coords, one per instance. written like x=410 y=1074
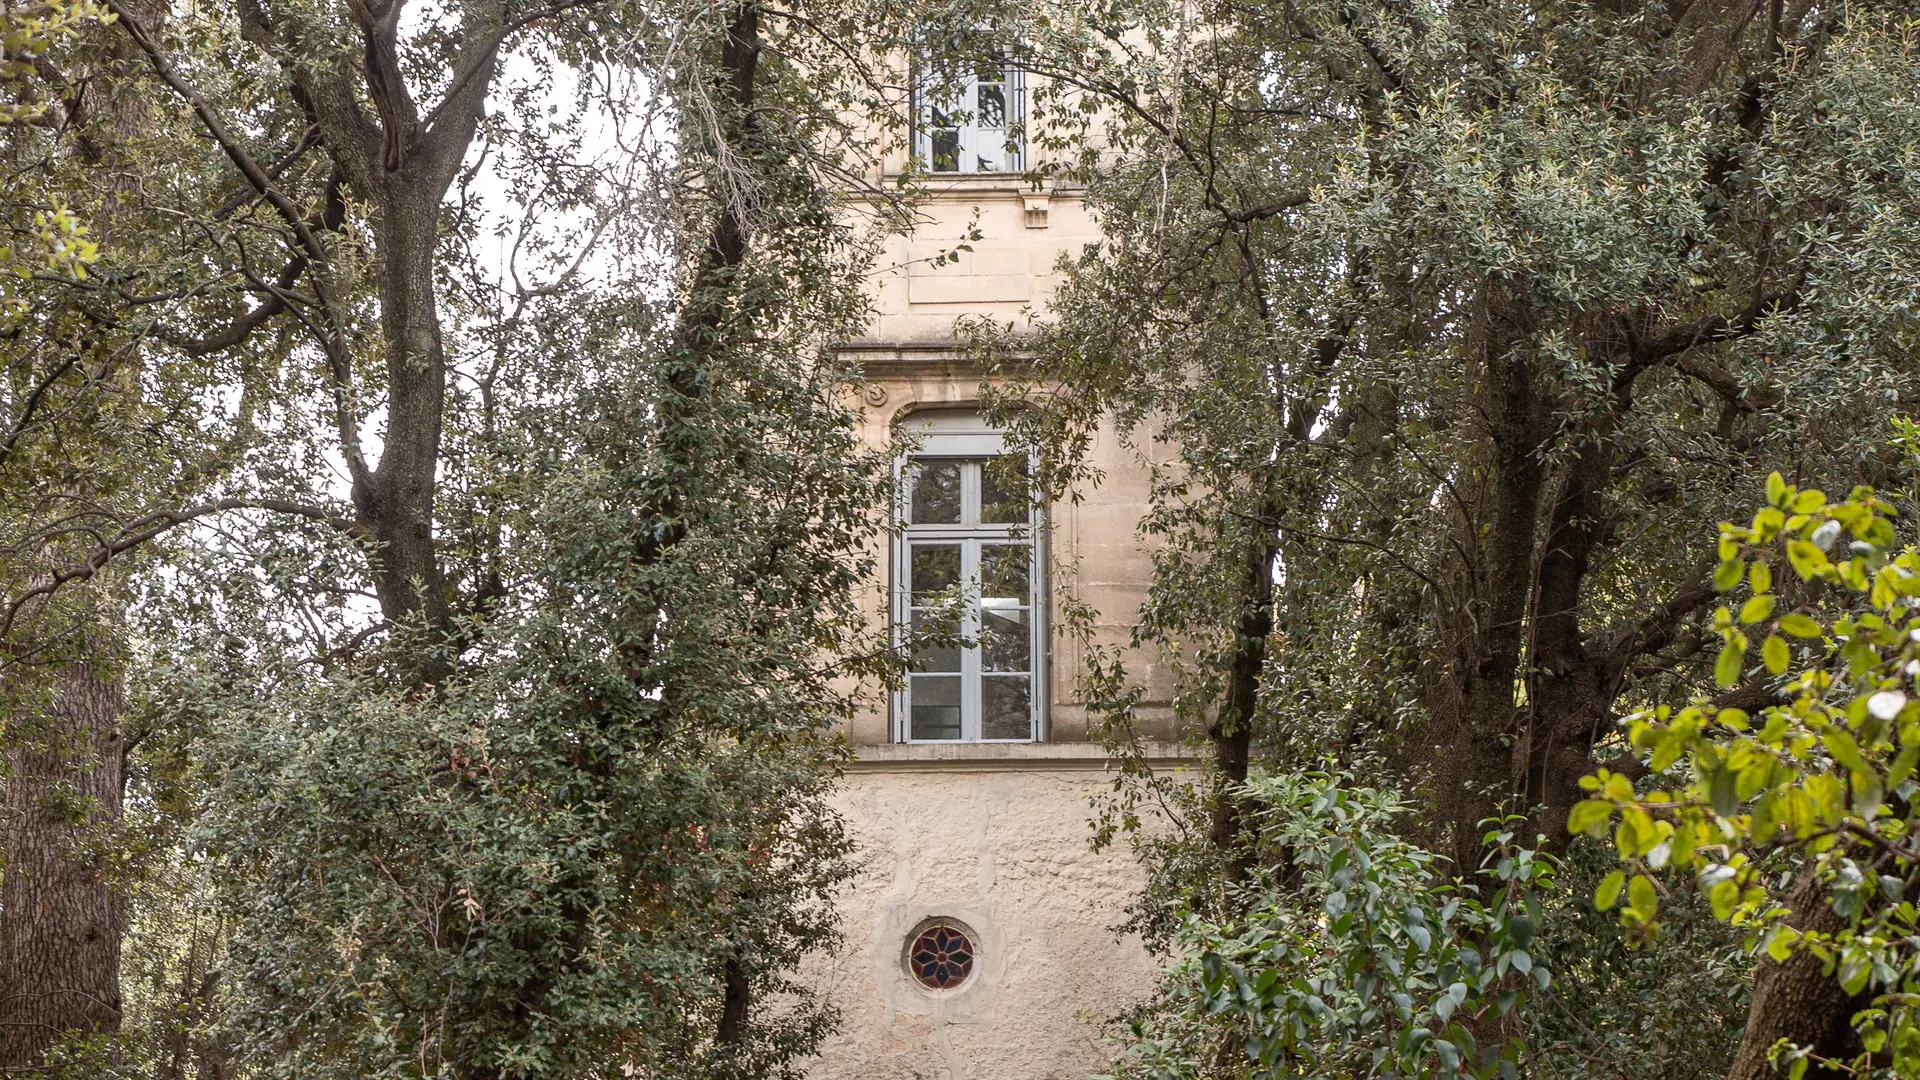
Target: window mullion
x=1036 y=639
x=970 y=630
x=970 y=135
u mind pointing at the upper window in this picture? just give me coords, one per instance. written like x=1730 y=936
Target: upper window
x=968 y=119
x=968 y=590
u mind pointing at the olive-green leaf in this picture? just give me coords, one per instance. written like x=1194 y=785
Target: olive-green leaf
x=1807 y=560
x=1641 y=899
x=1844 y=750
x=1728 y=574
x=1723 y=793
x=1903 y=766
x=1724 y=896
x=1589 y=817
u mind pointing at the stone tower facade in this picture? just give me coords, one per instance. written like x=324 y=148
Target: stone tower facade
x=980 y=941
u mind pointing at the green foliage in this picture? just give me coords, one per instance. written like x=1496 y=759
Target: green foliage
x=1615 y=1010
x=600 y=844
x=1286 y=322
x=1826 y=775
x=1441 y=330
x=1354 y=957
x=54 y=238
x=409 y=879
x=606 y=832
x=28 y=32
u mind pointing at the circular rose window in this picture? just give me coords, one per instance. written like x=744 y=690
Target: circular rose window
x=941 y=956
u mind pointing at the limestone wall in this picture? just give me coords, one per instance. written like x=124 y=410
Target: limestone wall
x=1016 y=230
x=994 y=838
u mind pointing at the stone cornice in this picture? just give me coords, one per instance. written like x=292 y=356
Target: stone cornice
x=944 y=357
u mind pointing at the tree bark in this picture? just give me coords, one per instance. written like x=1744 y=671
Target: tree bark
x=1797 y=1000
x=60 y=937
x=396 y=500
x=1472 y=692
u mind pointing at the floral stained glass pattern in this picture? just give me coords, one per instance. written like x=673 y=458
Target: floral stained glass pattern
x=941 y=957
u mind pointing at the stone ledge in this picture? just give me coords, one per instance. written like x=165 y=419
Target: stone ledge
x=957 y=183
x=1008 y=757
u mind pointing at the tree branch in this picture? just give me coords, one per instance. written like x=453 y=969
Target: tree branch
x=243 y=327
x=1655 y=630
x=1675 y=340
x=146 y=527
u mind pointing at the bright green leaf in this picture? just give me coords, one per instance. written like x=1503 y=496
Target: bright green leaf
x=1726 y=670
x=1589 y=818
x=1608 y=893
x=1775 y=654
x=1641 y=898
x=1728 y=574
x=1807 y=560
x=1800 y=626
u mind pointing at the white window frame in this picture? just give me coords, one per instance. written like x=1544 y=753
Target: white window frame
x=1006 y=143
x=966 y=436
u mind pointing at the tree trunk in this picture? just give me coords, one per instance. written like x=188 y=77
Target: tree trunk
x=397 y=499
x=402 y=167
x=61 y=912
x=1232 y=729
x=60 y=938
x=1472 y=693
x=1797 y=1000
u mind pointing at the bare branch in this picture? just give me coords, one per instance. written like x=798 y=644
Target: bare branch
x=148 y=526
x=309 y=138
x=1675 y=340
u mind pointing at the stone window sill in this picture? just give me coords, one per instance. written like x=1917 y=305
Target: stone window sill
x=984 y=181
x=1008 y=757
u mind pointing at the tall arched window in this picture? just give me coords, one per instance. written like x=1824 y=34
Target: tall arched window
x=968 y=588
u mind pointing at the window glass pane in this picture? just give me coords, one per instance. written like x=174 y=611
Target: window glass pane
x=936 y=642
x=1004 y=640
x=1003 y=573
x=936 y=568
x=990 y=109
x=936 y=706
x=1004 y=491
x=944 y=149
x=1004 y=709
x=936 y=493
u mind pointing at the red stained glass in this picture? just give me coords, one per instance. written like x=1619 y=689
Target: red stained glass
x=941 y=957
